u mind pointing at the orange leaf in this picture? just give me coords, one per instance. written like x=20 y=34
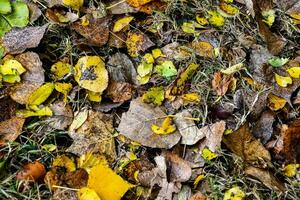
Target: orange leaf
x=32 y=172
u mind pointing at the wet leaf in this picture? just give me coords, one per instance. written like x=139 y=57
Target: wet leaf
x=122 y=23
x=41 y=94
x=166 y=69
x=91 y=73
x=10 y=129
x=291 y=170
x=136 y=125
x=166 y=127
x=283 y=81
x=31 y=172
x=155 y=95
x=278 y=62
x=294 y=72
x=86 y=193
x=107 y=184
x=234 y=193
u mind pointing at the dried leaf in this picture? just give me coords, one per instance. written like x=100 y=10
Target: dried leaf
x=242 y=143
x=79 y=119
x=263 y=128
x=233 y=69
x=137 y=42
x=136 y=125
x=31 y=172
x=107 y=184
x=228 y=9
x=220 y=83
x=18 y=40
x=119 y=91
x=203 y=48
x=62 y=115
x=275 y=103
x=91 y=73
x=137 y=3
x=65 y=162
x=10 y=129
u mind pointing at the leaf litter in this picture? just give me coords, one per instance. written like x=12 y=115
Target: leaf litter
x=149 y=99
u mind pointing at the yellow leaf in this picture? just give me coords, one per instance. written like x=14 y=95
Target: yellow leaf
x=269 y=17
x=294 y=72
x=191 y=97
x=60 y=69
x=275 y=103
x=283 y=81
x=79 y=119
x=89 y=160
x=45 y=111
x=75 y=4
x=156 y=53
x=63 y=88
x=188 y=27
x=228 y=9
x=86 y=193
x=85 y=21
x=11 y=78
x=155 y=95
x=133 y=43
x=137 y=3
x=233 y=69
x=216 y=19
x=41 y=94
x=290 y=170
x=144 y=69
x=64 y=161
x=198 y=179
x=94 y=96
x=201 y=20
x=121 y=23
x=49 y=147
x=234 y=193
x=91 y=73
x=107 y=184
x=143 y=80
x=148 y=58
x=208 y=154
x=12 y=67
x=204 y=49
x=166 y=127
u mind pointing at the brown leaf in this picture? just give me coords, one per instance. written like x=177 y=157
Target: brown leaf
x=265 y=177
x=220 y=83
x=198 y=196
x=213 y=136
x=10 y=129
x=18 y=40
x=96 y=33
x=117 y=40
x=34 y=11
x=119 y=7
x=32 y=79
x=263 y=128
x=153 y=6
x=62 y=115
x=8 y=108
x=32 y=172
x=136 y=125
x=76 y=179
x=243 y=144
x=119 y=91
x=94 y=135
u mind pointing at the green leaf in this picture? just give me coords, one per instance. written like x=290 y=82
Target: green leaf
x=19 y=16
x=166 y=69
x=4 y=27
x=5 y=7
x=155 y=95
x=278 y=62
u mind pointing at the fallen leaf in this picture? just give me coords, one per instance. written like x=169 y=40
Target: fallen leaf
x=65 y=162
x=290 y=170
x=216 y=19
x=89 y=160
x=94 y=96
x=155 y=95
x=233 y=69
x=19 y=17
x=5 y=7
x=208 y=154
x=79 y=119
x=61 y=69
x=38 y=112
x=62 y=115
x=153 y=6
x=76 y=5
x=107 y=184
x=187 y=128
x=31 y=172
x=118 y=7
x=117 y=40
x=220 y=83
x=91 y=73
x=203 y=48
x=137 y=3
x=96 y=33
x=41 y=94
x=294 y=72
x=166 y=69
x=86 y=193
x=234 y=193
x=10 y=129
x=275 y=103
x=268 y=17
x=198 y=196
x=243 y=144
x=191 y=98
x=265 y=177
x=122 y=23
x=136 y=125
x=34 y=12
x=137 y=42
x=18 y=40
x=277 y=62
x=228 y=9
x=263 y=128
x=63 y=88
x=283 y=81
x=76 y=179
x=119 y=91
x=166 y=127
x=94 y=136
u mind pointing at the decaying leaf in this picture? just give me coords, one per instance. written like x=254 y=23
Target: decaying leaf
x=155 y=95
x=79 y=119
x=221 y=83
x=32 y=172
x=65 y=162
x=265 y=177
x=119 y=91
x=18 y=40
x=137 y=42
x=275 y=103
x=203 y=48
x=61 y=69
x=107 y=184
x=96 y=32
x=91 y=73
x=242 y=143
x=187 y=128
x=263 y=128
x=136 y=125
x=62 y=115
x=95 y=136
x=10 y=129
